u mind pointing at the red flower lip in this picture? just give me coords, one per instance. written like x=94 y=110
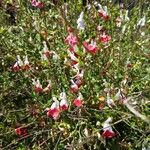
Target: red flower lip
x=105 y=38
x=54 y=113
x=79 y=82
x=21 y=131
x=71 y=40
x=64 y=107
x=103 y=15
x=108 y=134
x=47 y=53
x=90 y=48
x=26 y=67
x=16 y=67
x=74 y=88
x=101 y=106
x=37 y=4
x=38 y=89
x=77 y=102
x=40 y=5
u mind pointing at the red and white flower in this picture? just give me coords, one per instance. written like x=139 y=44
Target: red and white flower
x=92 y=47
x=37 y=86
x=79 y=78
x=73 y=57
x=37 y=4
x=104 y=38
x=63 y=103
x=71 y=40
x=45 y=50
x=78 y=102
x=74 y=87
x=26 y=65
x=103 y=12
x=54 y=111
x=107 y=129
x=120 y=96
x=16 y=67
x=21 y=131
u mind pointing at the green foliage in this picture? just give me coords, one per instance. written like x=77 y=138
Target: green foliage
x=124 y=64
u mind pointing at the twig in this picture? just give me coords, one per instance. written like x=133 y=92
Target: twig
x=57 y=142
x=135 y=112
x=44 y=142
x=15 y=142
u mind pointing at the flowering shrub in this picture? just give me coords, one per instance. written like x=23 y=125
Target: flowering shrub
x=74 y=77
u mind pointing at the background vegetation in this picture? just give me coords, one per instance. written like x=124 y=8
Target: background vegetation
x=121 y=63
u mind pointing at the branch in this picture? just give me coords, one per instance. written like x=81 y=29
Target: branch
x=136 y=113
